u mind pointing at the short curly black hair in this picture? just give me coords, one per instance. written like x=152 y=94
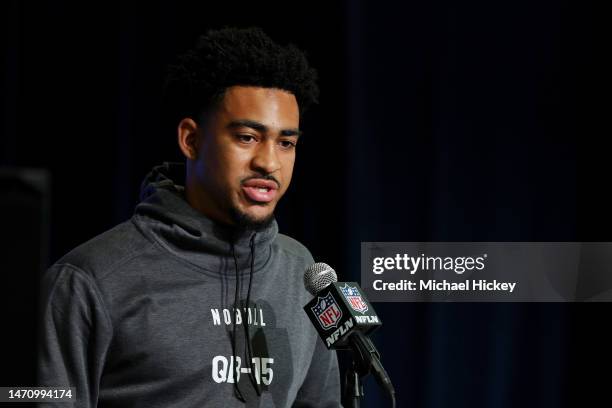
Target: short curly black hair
x=235 y=56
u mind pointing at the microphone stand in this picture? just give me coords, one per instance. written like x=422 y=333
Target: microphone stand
x=366 y=359
x=353 y=388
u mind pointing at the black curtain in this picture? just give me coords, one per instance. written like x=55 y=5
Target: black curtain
x=438 y=121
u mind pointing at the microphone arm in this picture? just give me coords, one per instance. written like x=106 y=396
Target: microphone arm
x=366 y=359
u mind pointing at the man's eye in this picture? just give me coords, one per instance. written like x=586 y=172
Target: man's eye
x=287 y=144
x=246 y=138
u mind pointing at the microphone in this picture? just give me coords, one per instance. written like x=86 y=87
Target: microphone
x=339 y=309
x=343 y=317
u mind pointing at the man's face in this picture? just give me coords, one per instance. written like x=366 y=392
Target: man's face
x=246 y=154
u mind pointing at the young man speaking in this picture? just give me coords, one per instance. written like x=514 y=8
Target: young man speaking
x=196 y=301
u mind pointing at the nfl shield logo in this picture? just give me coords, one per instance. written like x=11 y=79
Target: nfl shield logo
x=327 y=311
x=354 y=298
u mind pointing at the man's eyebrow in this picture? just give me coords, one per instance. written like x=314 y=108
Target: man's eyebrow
x=260 y=127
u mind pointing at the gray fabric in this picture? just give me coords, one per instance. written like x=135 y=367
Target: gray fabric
x=136 y=317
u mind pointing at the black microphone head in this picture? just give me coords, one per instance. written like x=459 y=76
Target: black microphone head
x=318 y=276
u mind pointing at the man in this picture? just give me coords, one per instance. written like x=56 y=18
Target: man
x=196 y=300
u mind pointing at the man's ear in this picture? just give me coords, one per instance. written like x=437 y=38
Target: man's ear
x=188 y=138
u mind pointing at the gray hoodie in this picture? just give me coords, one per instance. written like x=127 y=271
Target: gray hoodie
x=154 y=313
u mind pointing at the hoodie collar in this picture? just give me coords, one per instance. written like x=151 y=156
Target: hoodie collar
x=165 y=215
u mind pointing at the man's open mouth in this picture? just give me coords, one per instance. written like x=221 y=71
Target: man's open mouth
x=260 y=190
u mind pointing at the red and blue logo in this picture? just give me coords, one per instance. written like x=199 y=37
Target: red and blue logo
x=327 y=311
x=353 y=296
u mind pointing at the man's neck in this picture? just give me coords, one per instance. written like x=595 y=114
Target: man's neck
x=198 y=199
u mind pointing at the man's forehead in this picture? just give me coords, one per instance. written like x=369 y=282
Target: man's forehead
x=277 y=107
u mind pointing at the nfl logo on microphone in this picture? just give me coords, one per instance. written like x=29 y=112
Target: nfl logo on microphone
x=327 y=311
x=354 y=298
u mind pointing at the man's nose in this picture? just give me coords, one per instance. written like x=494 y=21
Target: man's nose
x=266 y=159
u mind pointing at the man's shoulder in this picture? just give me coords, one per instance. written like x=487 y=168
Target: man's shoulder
x=293 y=247
x=105 y=252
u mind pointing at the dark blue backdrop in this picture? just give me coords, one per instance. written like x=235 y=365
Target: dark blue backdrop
x=438 y=121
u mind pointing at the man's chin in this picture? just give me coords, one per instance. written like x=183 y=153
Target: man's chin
x=244 y=220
